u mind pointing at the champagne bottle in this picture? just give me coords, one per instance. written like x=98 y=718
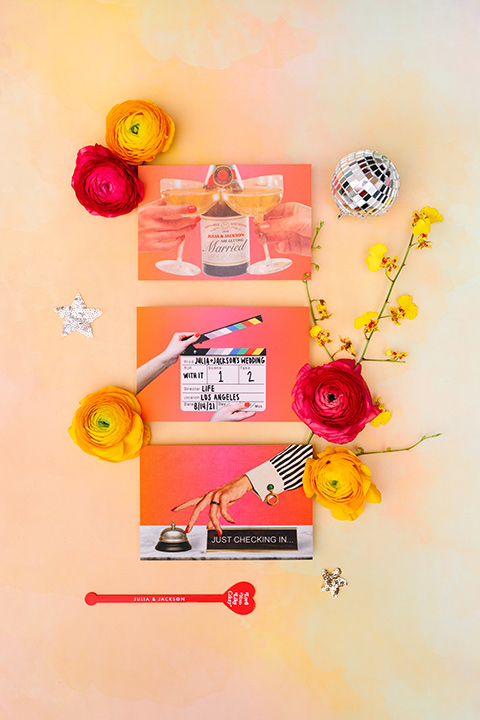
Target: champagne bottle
x=224 y=232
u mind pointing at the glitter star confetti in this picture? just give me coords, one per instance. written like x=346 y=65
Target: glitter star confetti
x=77 y=317
x=333 y=582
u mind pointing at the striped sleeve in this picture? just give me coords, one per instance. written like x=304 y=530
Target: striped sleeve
x=284 y=471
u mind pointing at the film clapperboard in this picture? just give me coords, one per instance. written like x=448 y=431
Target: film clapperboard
x=213 y=377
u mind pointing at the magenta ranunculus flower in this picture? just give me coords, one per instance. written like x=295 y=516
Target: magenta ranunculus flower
x=104 y=184
x=333 y=400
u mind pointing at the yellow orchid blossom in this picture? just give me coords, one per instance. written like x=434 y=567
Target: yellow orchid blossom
x=422 y=221
x=384 y=417
x=420 y=225
x=423 y=242
x=408 y=307
x=396 y=314
x=367 y=320
x=406 y=310
x=322 y=310
x=432 y=213
x=377 y=259
x=376 y=253
x=321 y=336
x=394 y=355
x=347 y=345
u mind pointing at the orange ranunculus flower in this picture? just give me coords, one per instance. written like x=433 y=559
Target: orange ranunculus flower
x=137 y=130
x=341 y=483
x=109 y=425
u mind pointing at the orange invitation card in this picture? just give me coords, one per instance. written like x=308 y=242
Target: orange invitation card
x=172 y=475
x=195 y=362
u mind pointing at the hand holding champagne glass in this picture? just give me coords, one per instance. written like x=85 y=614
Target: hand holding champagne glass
x=184 y=192
x=259 y=196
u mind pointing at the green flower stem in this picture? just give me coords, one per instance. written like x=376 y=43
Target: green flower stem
x=389 y=450
x=388 y=296
x=306 y=277
x=313 y=246
x=310 y=302
x=382 y=360
x=310 y=437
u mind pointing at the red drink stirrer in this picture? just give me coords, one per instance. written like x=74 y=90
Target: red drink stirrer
x=238 y=598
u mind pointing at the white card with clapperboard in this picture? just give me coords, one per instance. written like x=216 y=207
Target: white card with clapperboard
x=214 y=377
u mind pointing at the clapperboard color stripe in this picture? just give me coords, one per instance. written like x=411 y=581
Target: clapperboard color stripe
x=227 y=329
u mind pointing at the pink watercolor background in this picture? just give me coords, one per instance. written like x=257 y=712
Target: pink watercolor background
x=271 y=81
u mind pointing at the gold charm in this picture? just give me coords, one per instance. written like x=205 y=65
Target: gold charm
x=271 y=498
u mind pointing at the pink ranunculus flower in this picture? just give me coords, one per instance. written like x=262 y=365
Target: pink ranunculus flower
x=333 y=400
x=104 y=184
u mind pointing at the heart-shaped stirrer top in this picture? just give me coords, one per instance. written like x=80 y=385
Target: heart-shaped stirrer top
x=239 y=598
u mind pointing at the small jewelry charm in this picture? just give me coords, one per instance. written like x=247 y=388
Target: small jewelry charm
x=271 y=498
x=333 y=581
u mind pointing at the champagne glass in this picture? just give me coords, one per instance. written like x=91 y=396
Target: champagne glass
x=184 y=192
x=259 y=196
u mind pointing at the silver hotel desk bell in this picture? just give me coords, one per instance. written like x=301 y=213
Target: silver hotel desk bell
x=173 y=539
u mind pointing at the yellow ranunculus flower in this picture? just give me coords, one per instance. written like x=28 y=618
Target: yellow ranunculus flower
x=409 y=307
x=109 y=425
x=137 y=130
x=376 y=253
x=341 y=483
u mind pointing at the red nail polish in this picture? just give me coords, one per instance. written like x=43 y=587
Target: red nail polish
x=197 y=334
x=247 y=404
x=197 y=219
x=219 y=533
x=192 y=208
x=182 y=238
x=187 y=529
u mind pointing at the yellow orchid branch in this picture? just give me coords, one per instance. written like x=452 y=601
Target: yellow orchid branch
x=361 y=451
x=383 y=360
x=305 y=280
x=392 y=285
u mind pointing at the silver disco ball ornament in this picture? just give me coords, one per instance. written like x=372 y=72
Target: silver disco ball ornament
x=365 y=184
